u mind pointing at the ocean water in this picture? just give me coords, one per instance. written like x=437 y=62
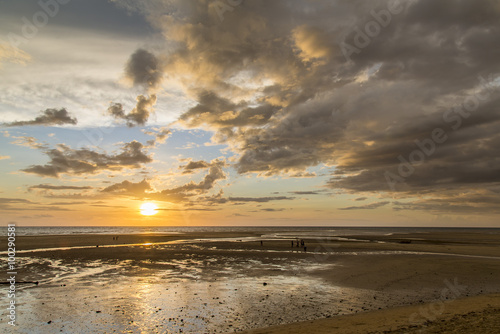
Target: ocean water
x=272 y=231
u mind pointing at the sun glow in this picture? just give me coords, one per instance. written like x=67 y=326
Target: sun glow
x=149 y=209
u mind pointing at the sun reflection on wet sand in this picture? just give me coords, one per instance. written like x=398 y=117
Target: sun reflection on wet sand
x=181 y=296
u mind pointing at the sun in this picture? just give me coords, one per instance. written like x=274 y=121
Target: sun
x=149 y=209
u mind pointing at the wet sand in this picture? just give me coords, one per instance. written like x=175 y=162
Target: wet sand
x=227 y=282
x=478 y=314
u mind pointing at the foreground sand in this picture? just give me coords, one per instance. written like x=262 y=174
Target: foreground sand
x=479 y=314
x=363 y=284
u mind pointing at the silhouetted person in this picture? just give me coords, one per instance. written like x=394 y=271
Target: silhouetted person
x=292 y=243
x=305 y=249
x=261 y=243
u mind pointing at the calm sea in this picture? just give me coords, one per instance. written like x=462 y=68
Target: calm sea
x=281 y=230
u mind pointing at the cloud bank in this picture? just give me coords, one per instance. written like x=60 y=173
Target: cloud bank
x=355 y=85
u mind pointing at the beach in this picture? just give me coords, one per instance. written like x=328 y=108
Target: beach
x=253 y=281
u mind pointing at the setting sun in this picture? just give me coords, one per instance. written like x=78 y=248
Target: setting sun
x=149 y=209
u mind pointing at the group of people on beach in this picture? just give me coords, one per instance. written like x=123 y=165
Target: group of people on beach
x=300 y=243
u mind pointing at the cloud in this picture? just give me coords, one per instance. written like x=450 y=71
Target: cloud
x=5 y=200
x=143 y=68
x=65 y=160
x=30 y=142
x=186 y=193
x=370 y=206
x=21 y=204
x=472 y=201
x=108 y=206
x=312 y=42
x=284 y=97
x=49 y=117
x=219 y=112
x=306 y=192
x=160 y=135
x=4 y=157
x=11 y=54
x=51 y=187
x=259 y=199
x=68 y=203
x=139 y=115
x=192 y=166
x=238 y=215
x=36 y=216
x=127 y=187
x=214 y=174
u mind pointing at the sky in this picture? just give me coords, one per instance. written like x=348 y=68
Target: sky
x=250 y=112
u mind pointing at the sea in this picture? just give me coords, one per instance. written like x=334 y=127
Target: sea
x=266 y=230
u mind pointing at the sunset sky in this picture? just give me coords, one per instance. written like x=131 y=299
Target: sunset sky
x=254 y=112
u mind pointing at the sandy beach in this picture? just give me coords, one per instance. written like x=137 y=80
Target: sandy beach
x=226 y=282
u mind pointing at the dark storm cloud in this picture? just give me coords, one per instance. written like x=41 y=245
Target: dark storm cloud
x=284 y=96
x=461 y=156
x=222 y=113
x=143 y=68
x=476 y=201
x=65 y=160
x=100 y=16
x=48 y=117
